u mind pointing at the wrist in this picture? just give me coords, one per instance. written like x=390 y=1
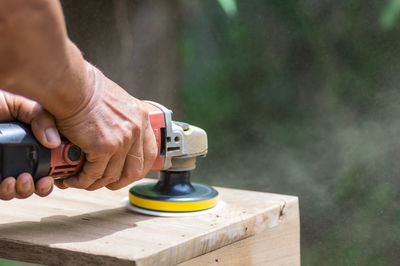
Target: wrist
x=74 y=88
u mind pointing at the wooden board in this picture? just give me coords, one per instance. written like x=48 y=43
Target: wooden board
x=79 y=227
x=277 y=245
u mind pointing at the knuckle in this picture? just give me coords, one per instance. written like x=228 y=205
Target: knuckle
x=38 y=109
x=126 y=138
x=41 y=115
x=103 y=146
x=127 y=131
x=111 y=145
x=133 y=175
x=136 y=130
x=153 y=153
x=116 y=142
x=111 y=179
x=144 y=114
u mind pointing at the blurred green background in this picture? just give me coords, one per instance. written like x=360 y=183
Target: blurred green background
x=297 y=97
x=302 y=98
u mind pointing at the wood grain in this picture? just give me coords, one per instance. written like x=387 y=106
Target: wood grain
x=79 y=227
x=278 y=245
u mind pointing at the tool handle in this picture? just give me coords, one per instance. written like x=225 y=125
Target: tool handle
x=20 y=152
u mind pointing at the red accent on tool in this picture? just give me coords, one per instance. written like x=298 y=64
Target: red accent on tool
x=61 y=165
x=157 y=121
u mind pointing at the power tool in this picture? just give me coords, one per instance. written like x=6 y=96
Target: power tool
x=178 y=143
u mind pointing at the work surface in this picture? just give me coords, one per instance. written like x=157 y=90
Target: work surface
x=73 y=227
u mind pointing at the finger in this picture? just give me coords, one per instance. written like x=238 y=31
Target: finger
x=133 y=167
x=44 y=129
x=30 y=112
x=24 y=186
x=44 y=186
x=7 y=188
x=92 y=170
x=60 y=184
x=18 y=107
x=112 y=172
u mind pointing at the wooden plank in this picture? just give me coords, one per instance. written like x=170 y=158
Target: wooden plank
x=278 y=245
x=79 y=227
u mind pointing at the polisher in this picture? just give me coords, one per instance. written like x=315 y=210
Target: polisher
x=178 y=144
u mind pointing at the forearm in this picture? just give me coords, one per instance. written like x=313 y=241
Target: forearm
x=37 y=60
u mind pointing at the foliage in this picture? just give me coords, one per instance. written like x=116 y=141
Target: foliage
x=390 y=14
x=301 y=97
x=229 y=6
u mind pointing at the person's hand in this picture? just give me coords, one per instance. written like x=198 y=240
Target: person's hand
x=113 y=130
x=13 y=107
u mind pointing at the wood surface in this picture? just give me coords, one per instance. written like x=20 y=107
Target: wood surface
x=277 y=245
x=73 y=227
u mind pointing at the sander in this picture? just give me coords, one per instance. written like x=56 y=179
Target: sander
x=178 y=144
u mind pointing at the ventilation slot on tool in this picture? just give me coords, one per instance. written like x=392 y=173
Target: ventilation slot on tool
x=59 y=171
x=162 y=148
x=173 y=148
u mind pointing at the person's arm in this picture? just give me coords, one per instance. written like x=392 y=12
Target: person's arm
x=38 y=61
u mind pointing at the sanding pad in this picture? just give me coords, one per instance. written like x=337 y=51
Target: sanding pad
x=133 y=208
x=150 y=199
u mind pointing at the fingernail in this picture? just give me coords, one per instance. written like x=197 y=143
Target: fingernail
x=26 y=185
x=52 y=136
x=10 y=186
x=46 y=190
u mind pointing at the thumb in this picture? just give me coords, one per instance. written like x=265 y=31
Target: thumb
x=28 y=111
x=44 y=129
